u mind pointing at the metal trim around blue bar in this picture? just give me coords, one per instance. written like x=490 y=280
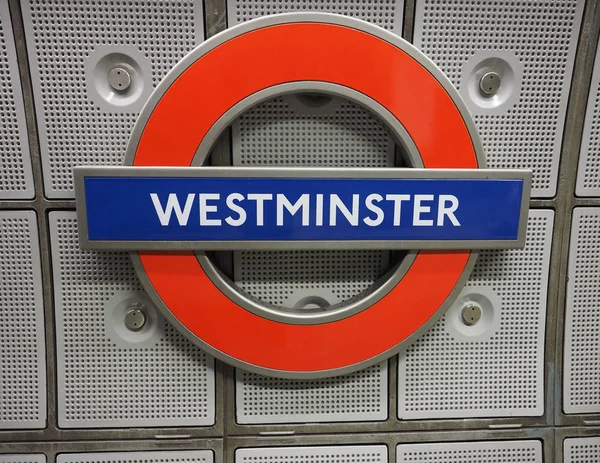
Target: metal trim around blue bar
x=495 y=217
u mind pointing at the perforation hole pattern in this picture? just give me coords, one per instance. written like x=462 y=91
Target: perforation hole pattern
x=340 y=454
x=543 y=36
x=360 y=396
x=472 y=452
x=167 y=384
x=582 y=450
x=384 y=13
x=582 y=323
x=192 y=456
x=22 y=360
x=15 y=168
x=73 y=130
x=274 y=276
x=447 y=377
x=23 y=458
x=588 y=175
x=275 y=134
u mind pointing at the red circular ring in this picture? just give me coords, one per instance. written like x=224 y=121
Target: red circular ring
x=260 y=59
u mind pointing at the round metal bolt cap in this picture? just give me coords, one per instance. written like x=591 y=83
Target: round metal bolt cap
x=490 y=83
x=135 y=319
x=471 y=314
x=119 y=79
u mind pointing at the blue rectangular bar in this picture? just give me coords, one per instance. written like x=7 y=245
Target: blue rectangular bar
x=267 y=209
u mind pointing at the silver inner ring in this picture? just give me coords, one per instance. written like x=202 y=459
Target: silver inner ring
x=382 y=285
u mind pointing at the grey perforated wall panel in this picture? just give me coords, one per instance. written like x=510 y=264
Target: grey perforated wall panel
x=496 y=367
x=22 y=351
x=581 y=377
x=361 y=396
x=285 y=278
x=385 y=13
x=109 y=376
x=582 y=450
x=182 y=456
x=337 y=454
x=23 y=458
x=70 y=46
x=16 y=181
x=341 y=135
x=535 y=42
x=588 y=173
x=526 y=451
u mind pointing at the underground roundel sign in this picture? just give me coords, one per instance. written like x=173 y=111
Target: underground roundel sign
x=172 y=211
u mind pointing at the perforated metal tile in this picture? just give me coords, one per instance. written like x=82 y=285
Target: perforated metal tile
x=582 y=450
x=79 y=120
x=183 y=456
x=287 y=132
x=23 y=458
x=109 y=376
x=537 y=39
x=361 y=396
x=588 y=172
x=385 y=13
x=338 y=454
x=582 y=319
x=16 y=181
x=275 y=133
x=284 y=277
x=22 y=345
x=526 y=451
x=496 y=367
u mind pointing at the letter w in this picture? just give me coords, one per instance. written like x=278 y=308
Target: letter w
x=164 y=215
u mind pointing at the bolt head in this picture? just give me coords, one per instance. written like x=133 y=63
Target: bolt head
x=135 y=319
x=489 y=83
x=471 y=314
x=119 y=79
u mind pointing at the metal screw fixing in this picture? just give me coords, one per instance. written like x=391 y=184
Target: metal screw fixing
x=119 y=79
x=135 y=319
x=471 y=314
x=490 y=83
